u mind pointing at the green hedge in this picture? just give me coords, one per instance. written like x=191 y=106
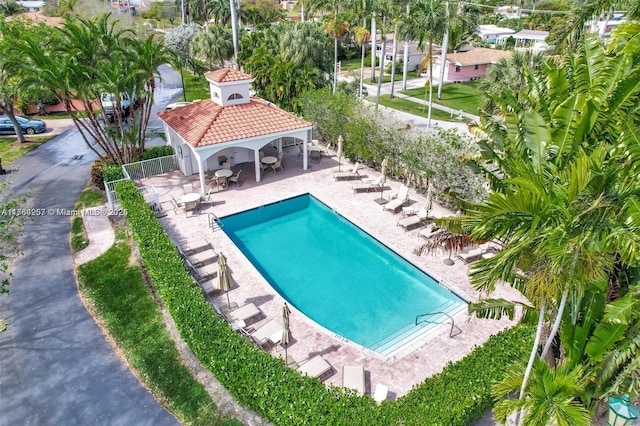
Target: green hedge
x=456 y=396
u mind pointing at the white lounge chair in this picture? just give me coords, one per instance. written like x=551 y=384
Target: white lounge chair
x=471 y=255
x=421 y=218
x=429 y=232
x=270 y=332
x=395 y=204
x=353 y=377
x=368 y=186
x=380 y=393
x=244 y=312
x=315 y=367
x=349 y=174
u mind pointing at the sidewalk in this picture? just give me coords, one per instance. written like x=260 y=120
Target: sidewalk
x=99 y=232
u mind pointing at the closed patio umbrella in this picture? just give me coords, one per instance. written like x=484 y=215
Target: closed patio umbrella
x=286 y=333
x=429 y=204
x=340 y=151
x=223 y=276
x=383 y=180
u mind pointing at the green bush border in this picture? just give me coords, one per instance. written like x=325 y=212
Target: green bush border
x=459 y=395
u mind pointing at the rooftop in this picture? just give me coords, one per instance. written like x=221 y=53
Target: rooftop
x=207 y=123
x=477 y=56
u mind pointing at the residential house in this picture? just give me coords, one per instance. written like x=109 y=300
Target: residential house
x=527 y=39
x=470 y=65
x=489 y=33
x=415 y=55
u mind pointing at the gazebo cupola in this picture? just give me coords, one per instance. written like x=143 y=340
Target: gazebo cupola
x=229 y=86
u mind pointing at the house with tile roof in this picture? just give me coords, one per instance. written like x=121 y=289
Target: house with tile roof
x=469 y=65
x=527 y=39
x=230 y=126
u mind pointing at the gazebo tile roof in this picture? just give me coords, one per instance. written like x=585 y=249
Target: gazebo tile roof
x=207 y=123
x=226 y=75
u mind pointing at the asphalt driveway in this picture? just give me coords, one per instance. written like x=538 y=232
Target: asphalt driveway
x=56 y=367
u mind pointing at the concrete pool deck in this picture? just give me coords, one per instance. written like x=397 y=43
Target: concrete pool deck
x=407 y=367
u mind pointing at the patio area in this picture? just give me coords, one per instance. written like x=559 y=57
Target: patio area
x=407 y=367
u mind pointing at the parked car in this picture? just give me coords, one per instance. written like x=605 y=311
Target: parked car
x=108 y=101
x=177 y=105
x=28 y=125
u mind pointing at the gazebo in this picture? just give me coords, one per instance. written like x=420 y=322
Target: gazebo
x=231 y=126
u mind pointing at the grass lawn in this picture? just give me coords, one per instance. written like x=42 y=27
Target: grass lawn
x=195 y=87
x=413 y=108
x=11 y=150
x=114 y=290
x=459 y=96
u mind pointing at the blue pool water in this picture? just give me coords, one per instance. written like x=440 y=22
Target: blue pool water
x=334 y=272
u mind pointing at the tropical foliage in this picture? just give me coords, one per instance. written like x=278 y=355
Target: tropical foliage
x=286 y=60
x=564 y=177
x=414 y=156
x=85 y=58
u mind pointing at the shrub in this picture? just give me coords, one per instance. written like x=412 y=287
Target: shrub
x=157 y=151
x=456 y=396
x=96 y=173
x=112 y=172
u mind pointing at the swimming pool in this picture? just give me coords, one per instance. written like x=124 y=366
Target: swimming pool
x=337 y=274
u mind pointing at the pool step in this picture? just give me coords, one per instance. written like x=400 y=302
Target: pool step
x=407 y=334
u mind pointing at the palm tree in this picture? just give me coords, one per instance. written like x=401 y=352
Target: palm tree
x=562 y=199
x=362 y=36
x=336 y=27
x=91 y=57
x=553 y=396
x=214 y=45
x=425 y=24
x=507 y=74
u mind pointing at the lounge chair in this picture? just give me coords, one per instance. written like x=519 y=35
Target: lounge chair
x=268 y=333
x=421 y=218
x=203 y=257
x=315 y=367
x=471 y=256
x=244 y=313
x=349 y=174
x=368 y=186
x=380 y=393
x=429 y=232
x=400 y=200
x=353 y=377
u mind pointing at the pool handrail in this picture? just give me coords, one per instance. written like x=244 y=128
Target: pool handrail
x=453 y=325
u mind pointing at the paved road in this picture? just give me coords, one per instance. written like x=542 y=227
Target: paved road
x=56 y=367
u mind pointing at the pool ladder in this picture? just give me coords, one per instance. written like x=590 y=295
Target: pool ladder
x=453 y=325
x=214 y=222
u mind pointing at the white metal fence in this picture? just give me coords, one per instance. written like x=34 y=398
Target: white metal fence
x=147 y=168
x=140 y=170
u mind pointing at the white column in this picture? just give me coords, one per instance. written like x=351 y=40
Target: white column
x=305 y=163
x=256 y=158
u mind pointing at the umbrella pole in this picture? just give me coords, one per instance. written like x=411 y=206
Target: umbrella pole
x=228 y=302
x=286 y=358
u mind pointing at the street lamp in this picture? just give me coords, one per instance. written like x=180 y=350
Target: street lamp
x=621 y=411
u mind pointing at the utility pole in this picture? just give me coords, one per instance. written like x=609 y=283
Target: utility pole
x=234 y=30
x=445 y=47
x=182 y=10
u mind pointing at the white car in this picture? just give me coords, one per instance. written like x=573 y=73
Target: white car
x=177 y=105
